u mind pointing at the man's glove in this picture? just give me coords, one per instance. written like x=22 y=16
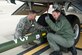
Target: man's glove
x=49 y=30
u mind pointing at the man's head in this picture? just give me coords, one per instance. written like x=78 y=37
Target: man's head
x=32 y=15
x=56 y=14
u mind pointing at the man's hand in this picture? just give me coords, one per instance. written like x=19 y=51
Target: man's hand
x=47 y=17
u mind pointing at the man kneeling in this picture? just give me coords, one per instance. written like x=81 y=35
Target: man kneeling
x=63 y=33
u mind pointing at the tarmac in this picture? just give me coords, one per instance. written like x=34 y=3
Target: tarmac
x=7 y=28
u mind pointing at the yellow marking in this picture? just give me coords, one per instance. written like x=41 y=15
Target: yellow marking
x=79 y=44
x=36 y=49
x=43 y=34
x=80 y=32
x=80 y=25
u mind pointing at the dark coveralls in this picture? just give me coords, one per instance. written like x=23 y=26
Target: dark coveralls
x=63 y=36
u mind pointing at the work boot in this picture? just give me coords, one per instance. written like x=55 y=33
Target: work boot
x=28 y=45
x=32 y=43
x=56 y=53
x=73 y=50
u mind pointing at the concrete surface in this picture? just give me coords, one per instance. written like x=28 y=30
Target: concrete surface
x=7 y=28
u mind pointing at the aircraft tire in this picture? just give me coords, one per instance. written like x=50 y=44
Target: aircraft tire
x=75 y=23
